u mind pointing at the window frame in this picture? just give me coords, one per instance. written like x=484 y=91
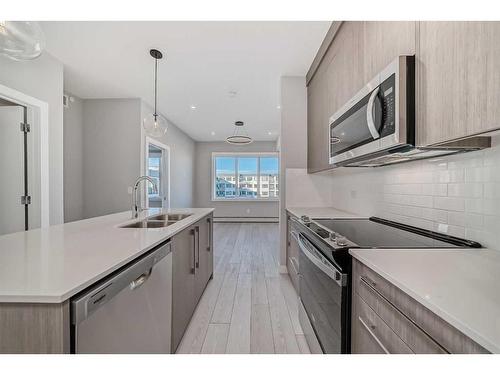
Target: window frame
x=237 y=155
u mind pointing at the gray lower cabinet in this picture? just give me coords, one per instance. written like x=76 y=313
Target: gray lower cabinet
x=192 y=267
x=292 y=256
x=386 y=320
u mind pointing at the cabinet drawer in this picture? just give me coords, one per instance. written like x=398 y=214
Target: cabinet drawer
x=448 y=337
x=411 y=334
x=371 y=335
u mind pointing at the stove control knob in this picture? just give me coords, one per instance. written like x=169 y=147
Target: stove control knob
x=341 y=241
x=332 y=236
x=305 y=219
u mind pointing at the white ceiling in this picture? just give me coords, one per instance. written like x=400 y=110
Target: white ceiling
x=203 y=62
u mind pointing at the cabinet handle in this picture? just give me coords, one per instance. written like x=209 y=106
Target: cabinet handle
x=193 y=268
x=369 y=282
x=371 y=328
x=209 y=234
x=197 y=229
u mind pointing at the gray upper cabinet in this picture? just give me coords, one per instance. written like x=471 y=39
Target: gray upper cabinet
x=317 y=123
x=358 y=51
x=458 y=73
x=383 y=42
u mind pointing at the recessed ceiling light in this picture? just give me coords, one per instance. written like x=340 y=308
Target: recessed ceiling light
x=212 y=133
x=193 y=107
x=278 y=107
x=270 y=133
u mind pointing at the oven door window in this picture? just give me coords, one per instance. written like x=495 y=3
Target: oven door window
x=322 y=300
x=352 y=130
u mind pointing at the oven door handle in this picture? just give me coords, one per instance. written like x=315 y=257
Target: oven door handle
x=320 y=262
x=369 y=114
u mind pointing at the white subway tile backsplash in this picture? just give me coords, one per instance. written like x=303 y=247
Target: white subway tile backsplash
x=449 y=204
x=458 y=195
x=451 y=230
x=469 y=190
x=447 y=176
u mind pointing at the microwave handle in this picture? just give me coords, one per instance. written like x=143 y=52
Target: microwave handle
x=369 y=114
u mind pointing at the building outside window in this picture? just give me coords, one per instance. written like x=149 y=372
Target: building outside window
x=245 y=176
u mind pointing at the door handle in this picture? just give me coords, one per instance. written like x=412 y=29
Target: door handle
x=369 y=114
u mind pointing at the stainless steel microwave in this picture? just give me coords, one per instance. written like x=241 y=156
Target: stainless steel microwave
x=380 y=118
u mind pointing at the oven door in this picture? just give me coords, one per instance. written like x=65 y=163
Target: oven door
x=323 y=293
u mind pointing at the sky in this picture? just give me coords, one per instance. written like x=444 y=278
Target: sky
x=246 y=165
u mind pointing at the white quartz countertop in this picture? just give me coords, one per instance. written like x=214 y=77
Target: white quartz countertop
x=51 y=265
x=459 y=285
x=320 y=212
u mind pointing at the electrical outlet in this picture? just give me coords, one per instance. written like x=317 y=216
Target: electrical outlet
x=354 y=194
x=129 y=190
x=248 y=210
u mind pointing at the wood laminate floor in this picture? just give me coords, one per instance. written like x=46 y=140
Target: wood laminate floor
x=248 y=307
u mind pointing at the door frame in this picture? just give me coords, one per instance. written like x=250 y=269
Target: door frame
x=144 y=160
x=43 y=114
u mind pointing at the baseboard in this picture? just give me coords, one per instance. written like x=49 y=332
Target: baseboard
x=246 y=220
x=283 y=269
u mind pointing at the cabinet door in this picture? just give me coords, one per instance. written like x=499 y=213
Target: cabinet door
x=458 y=70
x=204 y=255
x=383 y=42
x=345 y=69
x=183 y=283
x=317 y=123
x=338 y=78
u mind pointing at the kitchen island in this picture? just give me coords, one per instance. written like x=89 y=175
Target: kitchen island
x=42 y=269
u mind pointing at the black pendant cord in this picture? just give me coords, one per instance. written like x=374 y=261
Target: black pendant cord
x=156 y=85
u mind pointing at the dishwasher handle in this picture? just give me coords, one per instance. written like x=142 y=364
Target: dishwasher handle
x=132 y=276
x=141 y=279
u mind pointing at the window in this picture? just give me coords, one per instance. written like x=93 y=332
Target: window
x=245 y=176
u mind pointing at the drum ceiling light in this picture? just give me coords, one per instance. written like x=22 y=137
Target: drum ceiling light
x=239 y=138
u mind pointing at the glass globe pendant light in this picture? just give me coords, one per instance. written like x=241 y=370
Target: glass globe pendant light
x=21 y=40
x=154 y=124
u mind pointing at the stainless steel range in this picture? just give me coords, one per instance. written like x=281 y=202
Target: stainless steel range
x=325 y=269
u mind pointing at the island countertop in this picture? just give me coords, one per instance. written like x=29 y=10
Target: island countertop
x=50 y=265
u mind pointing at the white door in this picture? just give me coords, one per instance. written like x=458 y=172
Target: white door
x=157 y=164
x=11 y=169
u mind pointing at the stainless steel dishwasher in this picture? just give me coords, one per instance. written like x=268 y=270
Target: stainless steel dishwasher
x=129 y=312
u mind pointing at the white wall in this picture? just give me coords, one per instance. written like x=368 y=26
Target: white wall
x=42 y=78
x=73 y=160
x=458 y=195
x=182 y=156
x=203 y=189
x=111 y=154
x=293 y=142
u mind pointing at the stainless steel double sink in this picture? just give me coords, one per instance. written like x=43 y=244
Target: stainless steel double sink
x=157 y=221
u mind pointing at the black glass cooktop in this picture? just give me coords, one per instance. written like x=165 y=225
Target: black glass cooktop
x=380 y=233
